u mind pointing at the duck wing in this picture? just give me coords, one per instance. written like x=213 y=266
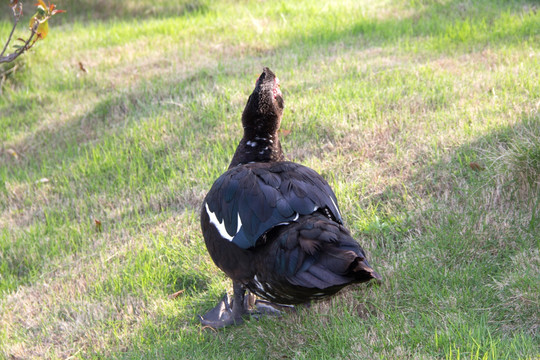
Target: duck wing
x=248 y=200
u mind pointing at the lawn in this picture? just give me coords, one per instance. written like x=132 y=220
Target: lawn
x=422 y=115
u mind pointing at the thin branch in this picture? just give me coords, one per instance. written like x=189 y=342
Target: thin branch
x=19 y=51
x=10 y=35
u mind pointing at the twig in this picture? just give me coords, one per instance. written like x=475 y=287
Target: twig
x=23 y=48
x=17 y=18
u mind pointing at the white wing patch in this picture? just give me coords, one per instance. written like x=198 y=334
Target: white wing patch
x=220 y=225
x=239 y=224
x=337 y=209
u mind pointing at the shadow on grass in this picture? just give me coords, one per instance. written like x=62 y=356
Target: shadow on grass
x=112 y=116
x=95 y=156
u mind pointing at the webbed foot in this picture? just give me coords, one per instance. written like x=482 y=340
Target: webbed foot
x=221 y=315
x=230 y=311
x=227 y=312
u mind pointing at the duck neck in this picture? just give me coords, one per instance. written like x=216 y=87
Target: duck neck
x=256 y=147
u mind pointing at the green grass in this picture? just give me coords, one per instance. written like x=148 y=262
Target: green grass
x=422 y=115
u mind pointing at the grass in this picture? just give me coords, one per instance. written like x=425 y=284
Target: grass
x=423 y=116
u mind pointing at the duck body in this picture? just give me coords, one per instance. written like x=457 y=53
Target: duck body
x=274 y=226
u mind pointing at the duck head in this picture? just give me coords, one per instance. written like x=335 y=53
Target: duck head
x=264 y=108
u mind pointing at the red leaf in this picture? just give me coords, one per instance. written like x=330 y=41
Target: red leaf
x=176 y=294
x=42 y=3
x=98 y=225
x=476 y=166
